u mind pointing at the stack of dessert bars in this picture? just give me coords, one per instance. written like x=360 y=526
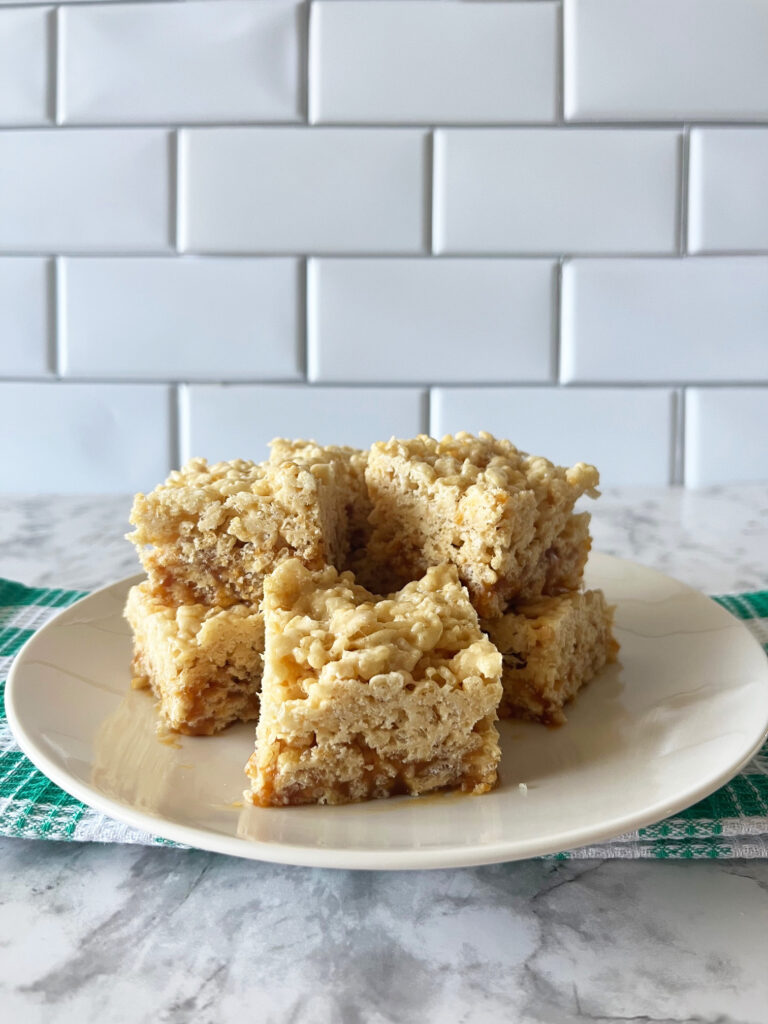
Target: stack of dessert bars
x=375 y=611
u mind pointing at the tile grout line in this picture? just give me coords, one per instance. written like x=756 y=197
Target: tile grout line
x=306 y=64
x=370 y=126
x=55 y=299
x=556 y=357
x=25 y=6
x=188 y=255
x=386 y=385
x=174 y=191
x=55 y=91
x=560 y=69
x=426 y=411
x=685 y=159
x=178 y=424
x=302 y=318
x=173 y=426
x=679 y=474
x=429 y=195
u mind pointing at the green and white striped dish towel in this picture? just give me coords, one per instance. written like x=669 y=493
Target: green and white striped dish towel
x=733 y=822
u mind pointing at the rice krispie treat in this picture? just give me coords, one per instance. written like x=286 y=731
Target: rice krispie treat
x=550 y=648
x=203 y=664
x=212 y=533
x=495 y=512
x=351 y=463
x=365 y=697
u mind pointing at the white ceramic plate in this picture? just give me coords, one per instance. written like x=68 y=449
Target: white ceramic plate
x=686 y=707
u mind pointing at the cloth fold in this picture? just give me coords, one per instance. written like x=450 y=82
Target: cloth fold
x=732 y=822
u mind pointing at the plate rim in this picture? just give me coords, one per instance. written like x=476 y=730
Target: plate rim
x=360 y=859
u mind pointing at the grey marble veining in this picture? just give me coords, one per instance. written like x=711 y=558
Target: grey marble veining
x=136 y=935
x=66 y=540
x=127 y=934
x=715 y=539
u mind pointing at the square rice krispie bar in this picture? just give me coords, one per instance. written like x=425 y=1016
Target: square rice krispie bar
x=497 y=513
x=212 y=533
x=365 y=697
x=203 y=664
x=550 y=648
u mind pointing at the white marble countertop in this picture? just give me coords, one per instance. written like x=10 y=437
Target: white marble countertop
x=124 y=934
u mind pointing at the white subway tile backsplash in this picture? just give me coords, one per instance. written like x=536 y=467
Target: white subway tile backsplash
x=301 y=190
x=725 y=435
x=182 y=319
x=540 y=190
x=24 y=73
x=25 y=309
x=425 y=62
x=626 y=432
x=434 y=225
x=666 y=59
x=727 y=208
x=239 y=421
x=84 y=191
x=97 y=438
x=220 y=60
x=410 y=320
x=665 y=320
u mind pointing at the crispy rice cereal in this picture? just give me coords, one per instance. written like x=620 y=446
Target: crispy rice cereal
x=550 y=648
x=212 y=533
x=203 y=664
x=365 y=697
x=497 y=513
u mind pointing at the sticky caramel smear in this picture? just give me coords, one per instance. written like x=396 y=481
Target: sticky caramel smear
x=167 y=738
